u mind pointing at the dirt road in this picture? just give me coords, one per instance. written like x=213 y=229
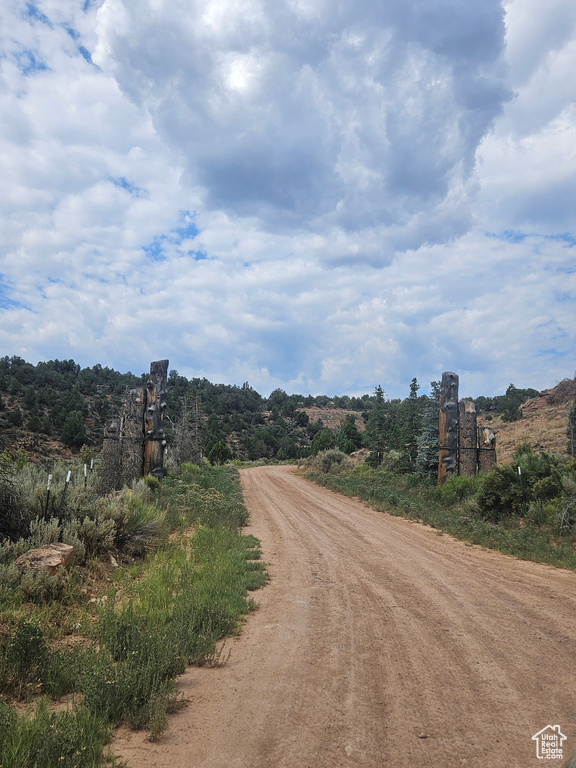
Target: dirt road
x=378 y=643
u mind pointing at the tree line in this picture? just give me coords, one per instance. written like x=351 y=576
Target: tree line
x=60 y=401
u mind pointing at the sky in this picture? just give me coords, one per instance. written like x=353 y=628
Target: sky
x=315 y=196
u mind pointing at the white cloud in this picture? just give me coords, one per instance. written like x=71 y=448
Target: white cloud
x=297 y=194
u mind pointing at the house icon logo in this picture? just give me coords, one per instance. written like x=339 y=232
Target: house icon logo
x=549 y=743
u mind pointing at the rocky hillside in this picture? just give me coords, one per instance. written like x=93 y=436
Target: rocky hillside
x=543 y=423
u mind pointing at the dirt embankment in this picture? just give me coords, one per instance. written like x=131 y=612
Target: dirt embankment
x=333 y=417
x=543 y=424
x=378 y=642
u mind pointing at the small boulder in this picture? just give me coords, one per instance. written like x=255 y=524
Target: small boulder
x=50 y=558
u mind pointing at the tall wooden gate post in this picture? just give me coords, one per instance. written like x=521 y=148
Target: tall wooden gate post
x=155 y=439
x=448 y=427
x=467 y=438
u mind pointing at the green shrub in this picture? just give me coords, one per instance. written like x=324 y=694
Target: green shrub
x=42 y=587
x=47 y=739
x=44 y=532
x=9 y=578
x=25 y=659
x=8 y=719
x=566 y=512
x=97 y=535
x=500 y=493
x=153 y=483
x=330 y=459
x=64 y=670
x=456 y=488
x=138 y=525
x=14 y=515
x=509 y=490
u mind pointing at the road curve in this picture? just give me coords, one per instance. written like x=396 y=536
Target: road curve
x=378 y=642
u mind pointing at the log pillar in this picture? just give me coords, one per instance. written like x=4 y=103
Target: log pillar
x=155 y=439
x=467 y=438
x=133 y=435
x=486 y=449
x=448 y=427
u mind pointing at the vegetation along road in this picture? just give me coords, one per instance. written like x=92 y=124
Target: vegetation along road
x=378 y=642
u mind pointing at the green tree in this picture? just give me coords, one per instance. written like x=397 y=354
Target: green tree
x=301 y=418
x=34 y=421
x=74 y=430
x=15 y=417
x=219 y=453
x=426 y=464
x=375 y=428
x=348 y=436
x=413 y=408
x=509 y=404
x=323 y=440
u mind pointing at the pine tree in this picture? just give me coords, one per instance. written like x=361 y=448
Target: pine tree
x=427 y=442
x=375 y=429
x=348 y=436
x=413 y=421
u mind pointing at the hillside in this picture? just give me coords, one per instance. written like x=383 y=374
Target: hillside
x=543 y=424
x=333 y=417
x=54 y=408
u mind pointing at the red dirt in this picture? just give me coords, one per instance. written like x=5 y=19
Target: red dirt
x=378 y=642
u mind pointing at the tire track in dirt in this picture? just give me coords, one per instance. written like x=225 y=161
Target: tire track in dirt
x=372 y=632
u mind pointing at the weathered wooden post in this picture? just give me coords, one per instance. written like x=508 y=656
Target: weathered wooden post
x=486 y=449
x=448 y=427
x=155 y=439
x=467 y=438
x=133 y=435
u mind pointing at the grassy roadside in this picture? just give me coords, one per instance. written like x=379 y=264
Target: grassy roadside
x=120 y=659
x=452 y=510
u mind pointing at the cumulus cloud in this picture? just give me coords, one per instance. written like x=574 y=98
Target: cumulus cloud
x=313 y=117
x=298 y=194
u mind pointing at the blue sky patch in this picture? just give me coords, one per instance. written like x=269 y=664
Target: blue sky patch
x=155 y=251
x=508 y=236
x=33 y=13
x=563 y=237
x=84 y=52
x=28 y=64
x=132 y=189
x=515 y=236
x=5 y=301
x=187 y=230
